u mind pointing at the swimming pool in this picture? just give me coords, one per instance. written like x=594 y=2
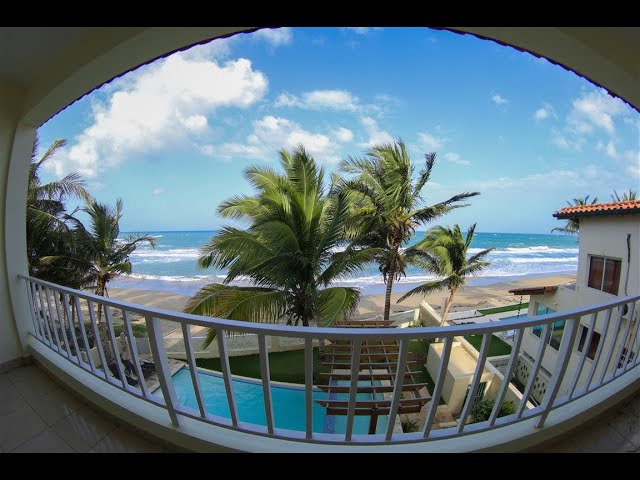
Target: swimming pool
x=288 y=403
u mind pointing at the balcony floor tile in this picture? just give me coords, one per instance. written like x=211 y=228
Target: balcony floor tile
x=34 y=385
x=46 y=442
x=21 y=374
x=11 y=399
x=631 y=407
x=19 y=426
x=602 y=438
x=123 y=441
x=55 y=405
x=628 y=426
x=83 y=429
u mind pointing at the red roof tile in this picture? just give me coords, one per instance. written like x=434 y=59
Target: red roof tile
x=599 y=209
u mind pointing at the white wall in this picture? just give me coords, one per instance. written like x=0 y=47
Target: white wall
x=602 y=235
x=606 y=235
x=10 y=104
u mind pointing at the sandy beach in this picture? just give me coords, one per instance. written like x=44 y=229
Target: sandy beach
x=469 y=297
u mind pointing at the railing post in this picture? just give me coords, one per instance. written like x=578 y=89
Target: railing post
x=482 y=359
x=226 y=375
x=308 y=386
x=506 y=379
x=193 y=370
x=134 y=354
x=154 y=329
x=36 y=327
x=625 y=335
x=634 y=337
x=266 y=382
x=397 y=388
x=583 y=356
x=355 y=373
x=437 y=391
x=544 y=340
x=568 y=339
x=600 y=347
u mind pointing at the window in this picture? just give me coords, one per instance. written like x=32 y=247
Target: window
x=593 y=346
x=543 y=309
x=604 y=274
x=626 y=357
x=557 y=330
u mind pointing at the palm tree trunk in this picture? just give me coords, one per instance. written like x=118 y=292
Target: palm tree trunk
x=102 y=326
x=387 y=296
x=64 y=312
x=447 y=306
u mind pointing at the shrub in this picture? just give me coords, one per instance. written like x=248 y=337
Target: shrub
x=481 y=411
x=409 y=426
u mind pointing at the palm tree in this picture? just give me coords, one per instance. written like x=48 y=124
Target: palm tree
x=97 y=256
x=443 y=251
x=626 y=196
x=47 y=231
x=388 y=205
x=572 y=226
x=293 y=249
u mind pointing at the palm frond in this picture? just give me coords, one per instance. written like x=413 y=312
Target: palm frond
x=336 y=303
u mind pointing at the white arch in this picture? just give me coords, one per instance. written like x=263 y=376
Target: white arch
x=50 y=69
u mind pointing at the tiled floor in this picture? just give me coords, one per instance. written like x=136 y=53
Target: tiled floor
x=37 y=415
x=617 y=431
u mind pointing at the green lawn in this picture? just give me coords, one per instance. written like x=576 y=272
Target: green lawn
x=498 y=347
x=507 y=308
x=283 y=366
x=138 y=330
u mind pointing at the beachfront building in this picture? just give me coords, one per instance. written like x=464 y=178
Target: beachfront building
x=608 y=269
x=42 y=71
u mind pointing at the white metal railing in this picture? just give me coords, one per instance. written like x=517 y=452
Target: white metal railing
x=69 y=334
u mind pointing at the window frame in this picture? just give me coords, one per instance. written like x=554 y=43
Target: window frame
x=537 y=330
x=605 y=261
x=582 y=338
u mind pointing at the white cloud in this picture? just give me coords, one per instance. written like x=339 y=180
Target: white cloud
x=541 y=114
x=567 y=142
x=593 y=116
x=343 y=134
x=320 y=100
x=270 y=134
x=377 y=136
x=633 y=167
x=455 y=158
x=275 y=36
x=596 y=110
x=430 y=142
x=161 y=105
x=363 y=30
x=157 y=191
x=499 y=100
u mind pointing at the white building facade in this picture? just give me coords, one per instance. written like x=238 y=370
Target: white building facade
x=608 y=269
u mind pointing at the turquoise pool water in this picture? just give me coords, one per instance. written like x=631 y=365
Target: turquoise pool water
x=288 y=403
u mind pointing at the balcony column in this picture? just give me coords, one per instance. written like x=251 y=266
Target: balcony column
x=16 y=143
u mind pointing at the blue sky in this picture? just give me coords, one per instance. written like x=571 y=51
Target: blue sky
x=172 y=138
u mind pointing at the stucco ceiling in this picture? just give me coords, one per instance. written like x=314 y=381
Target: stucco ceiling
x=22 y=53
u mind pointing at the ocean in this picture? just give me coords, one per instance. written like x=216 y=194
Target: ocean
x=172 y=265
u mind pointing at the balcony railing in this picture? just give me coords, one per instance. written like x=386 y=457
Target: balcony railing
x=65 y=320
